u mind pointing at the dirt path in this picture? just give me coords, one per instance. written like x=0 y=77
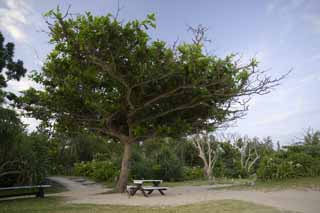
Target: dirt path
x=294 y=200
x=79 y=190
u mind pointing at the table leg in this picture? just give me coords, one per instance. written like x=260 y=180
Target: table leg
x=143 y=192
x=40 y=193
x=149 y=192
x=161 y=192
x=133 y=192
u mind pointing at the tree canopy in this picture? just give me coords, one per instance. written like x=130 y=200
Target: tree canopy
x=110 y=77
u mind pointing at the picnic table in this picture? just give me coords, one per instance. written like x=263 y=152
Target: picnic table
x=146 y=190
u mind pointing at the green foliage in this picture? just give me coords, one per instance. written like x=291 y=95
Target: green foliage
x=192 y=173
x=26 y=160
x=158 y=161
x=14 y=70
x=66 y=150
x=302 y=163
x=275 y=168
x=168 y=166
x=97 y=170
x=104 y=70
x=311 y=137
x=111 y=78
x=228 y=165
x=143 y=169
x=285 y=165
x=312 y=150
x=34 y=154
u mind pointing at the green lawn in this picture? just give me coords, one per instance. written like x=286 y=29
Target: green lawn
x=55 y=205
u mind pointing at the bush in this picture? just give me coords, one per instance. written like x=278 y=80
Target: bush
x=30 y=160
x=287 y=166
x=192 y=173
x=142 y=169
x=156 y=163
x=302 y=163
x=97 y=170
x=228 y=168
x=167 y=166
x=273 y=167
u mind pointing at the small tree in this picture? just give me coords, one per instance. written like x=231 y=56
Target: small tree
x=209 y=151
x=109 y=77
x=248 y=153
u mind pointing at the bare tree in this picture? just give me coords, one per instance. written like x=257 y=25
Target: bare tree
x=248 y=153
x=209 y=151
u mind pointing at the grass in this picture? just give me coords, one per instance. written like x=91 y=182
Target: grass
x=56 y=205
x=298 y=183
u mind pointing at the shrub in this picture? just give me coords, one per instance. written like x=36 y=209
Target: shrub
x=285 y=166
x=192 y=173
x=273 y=167
x=302 y=163
x=161 y=163
x=142 y=169
x=315 y=167
x=97 y=170
x=167 y=166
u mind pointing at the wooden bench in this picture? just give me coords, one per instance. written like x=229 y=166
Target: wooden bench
x=24 y=190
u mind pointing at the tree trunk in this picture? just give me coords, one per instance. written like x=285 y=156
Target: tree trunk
x=208 y=173
x=124 y=172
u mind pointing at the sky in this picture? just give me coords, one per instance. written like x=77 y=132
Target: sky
x=281 y=34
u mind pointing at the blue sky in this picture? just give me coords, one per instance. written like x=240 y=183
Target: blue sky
x=282 y=34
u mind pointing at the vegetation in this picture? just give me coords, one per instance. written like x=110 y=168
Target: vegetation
x=117 y=105
x=53 y=205
x=23 y=157
x=110 y=78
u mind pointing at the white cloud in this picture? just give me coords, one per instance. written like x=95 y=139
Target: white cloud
x=14 y=16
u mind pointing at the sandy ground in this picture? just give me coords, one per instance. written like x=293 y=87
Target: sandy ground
x=294 y=200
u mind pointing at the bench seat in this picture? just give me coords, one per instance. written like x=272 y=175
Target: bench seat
x=148 y=188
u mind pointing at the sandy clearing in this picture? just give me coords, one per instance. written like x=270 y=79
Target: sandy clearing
x=307 y=201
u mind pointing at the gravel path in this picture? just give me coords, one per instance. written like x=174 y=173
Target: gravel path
x=294 y=200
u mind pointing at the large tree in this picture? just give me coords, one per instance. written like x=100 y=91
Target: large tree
x=110 y=77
